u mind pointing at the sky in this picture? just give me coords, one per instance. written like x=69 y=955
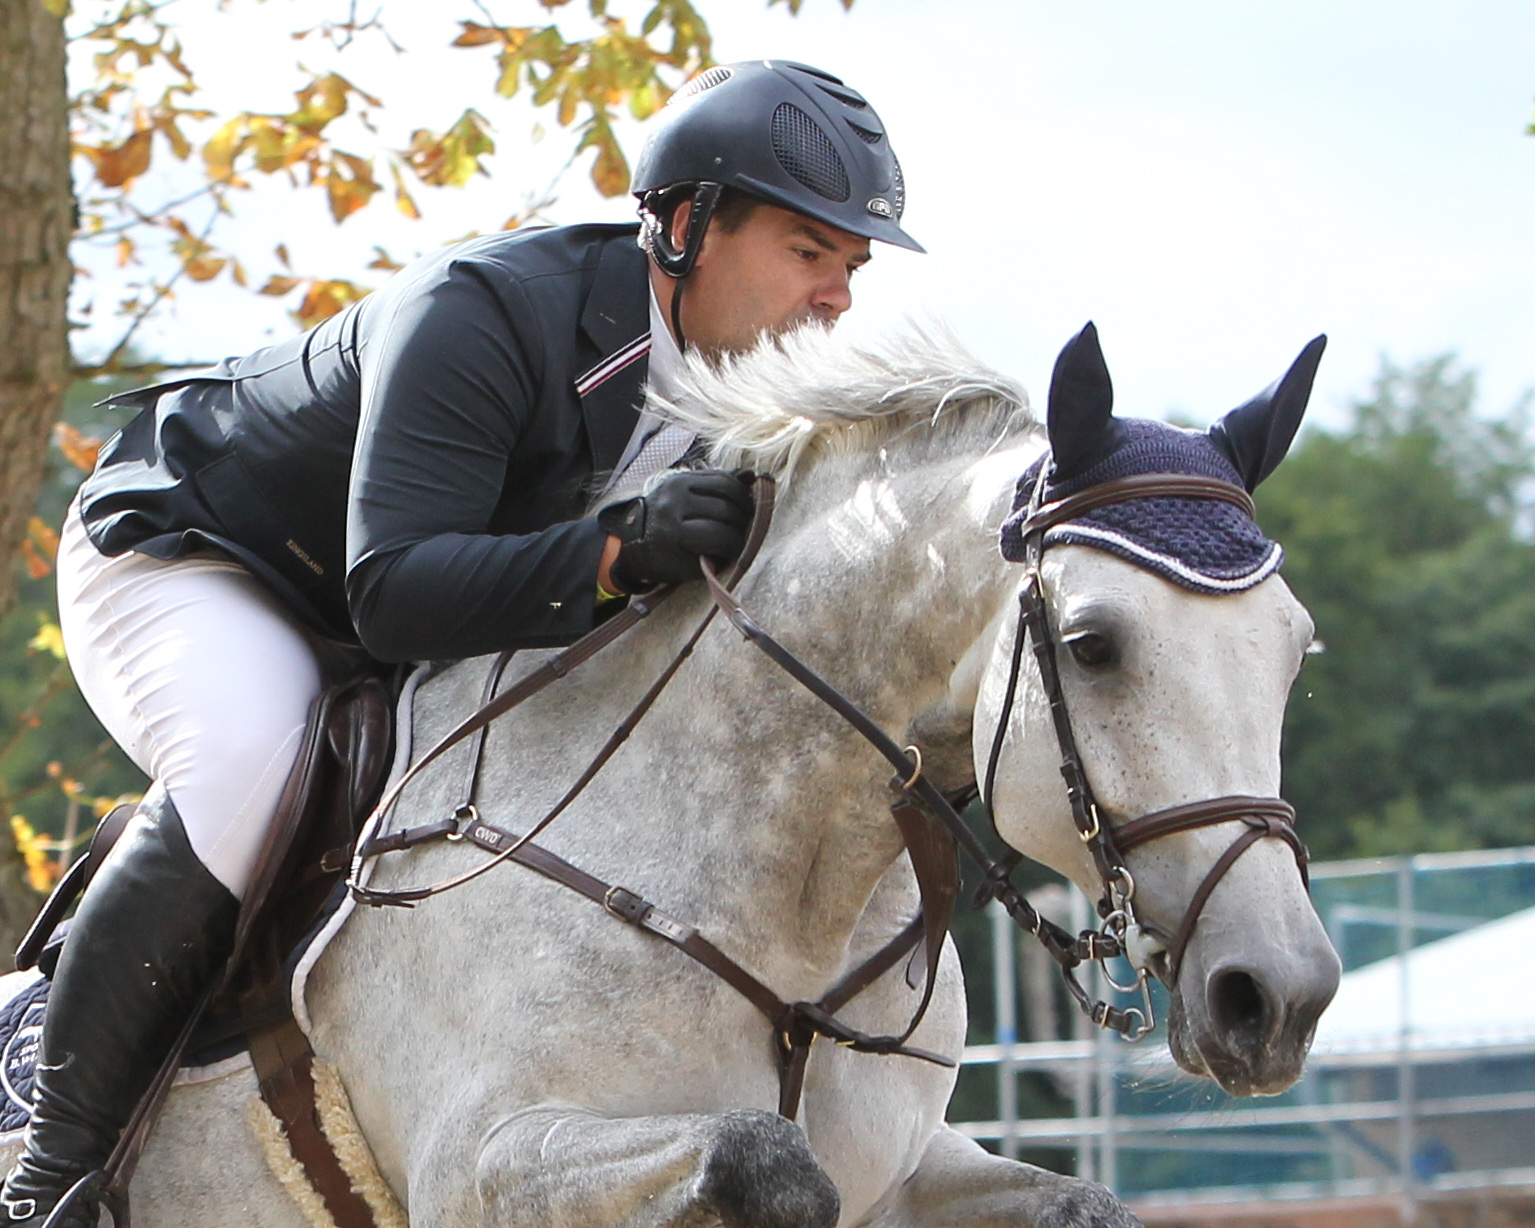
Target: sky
x=1212 y=183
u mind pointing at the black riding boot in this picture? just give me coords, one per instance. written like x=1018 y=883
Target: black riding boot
x=151 y=933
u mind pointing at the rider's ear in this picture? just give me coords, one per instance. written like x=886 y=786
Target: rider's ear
x=1256 y=436
x=1081 y=419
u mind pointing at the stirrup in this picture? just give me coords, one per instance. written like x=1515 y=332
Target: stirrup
x=92 y=1185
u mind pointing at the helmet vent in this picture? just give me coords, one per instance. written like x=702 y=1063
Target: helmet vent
x=807 y=153
x=705 y=80
x=867 y=135
x=899 y=191
x=845 y=96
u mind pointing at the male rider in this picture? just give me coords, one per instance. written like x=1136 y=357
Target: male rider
x=416 y=476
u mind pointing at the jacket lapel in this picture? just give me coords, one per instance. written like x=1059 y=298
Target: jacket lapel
x=617 y=320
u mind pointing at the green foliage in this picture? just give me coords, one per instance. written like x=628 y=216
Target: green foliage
x=1413 y=731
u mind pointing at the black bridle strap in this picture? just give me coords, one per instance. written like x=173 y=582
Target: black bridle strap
x=524 y=689
x=910 y=781
x=1034 y=617
x=1136 y=486
x=795 y=1024
x=1264 y=816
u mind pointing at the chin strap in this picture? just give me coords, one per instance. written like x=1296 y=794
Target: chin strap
x=677 y=333
x=655 y=217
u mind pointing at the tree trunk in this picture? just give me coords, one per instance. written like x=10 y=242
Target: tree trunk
x=36 y=218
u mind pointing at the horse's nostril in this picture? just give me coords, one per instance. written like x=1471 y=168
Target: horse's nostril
x=1240 y=1007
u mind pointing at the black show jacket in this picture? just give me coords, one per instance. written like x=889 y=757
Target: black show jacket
x=412 y=473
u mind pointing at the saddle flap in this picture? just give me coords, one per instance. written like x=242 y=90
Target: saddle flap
x=338 y=774
x=45 y=937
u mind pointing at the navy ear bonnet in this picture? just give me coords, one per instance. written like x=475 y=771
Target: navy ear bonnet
x=1201 y=544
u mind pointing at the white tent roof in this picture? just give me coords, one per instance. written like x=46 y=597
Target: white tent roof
x=1469 y=990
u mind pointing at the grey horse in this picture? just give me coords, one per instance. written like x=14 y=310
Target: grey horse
x=516 y=1056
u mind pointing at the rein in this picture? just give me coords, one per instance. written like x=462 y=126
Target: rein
x=928 y=820
x=795 y=1024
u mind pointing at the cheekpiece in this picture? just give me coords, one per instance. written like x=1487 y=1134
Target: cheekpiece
x=1203 y=545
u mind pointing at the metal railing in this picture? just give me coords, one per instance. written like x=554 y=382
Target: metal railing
x=1326 y=1117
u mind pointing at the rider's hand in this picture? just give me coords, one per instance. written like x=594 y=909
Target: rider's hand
x=689 y=512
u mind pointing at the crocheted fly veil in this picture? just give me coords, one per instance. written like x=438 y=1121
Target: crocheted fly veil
x=1202 y=544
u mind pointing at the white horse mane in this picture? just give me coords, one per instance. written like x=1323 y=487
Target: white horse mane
x=808 y=393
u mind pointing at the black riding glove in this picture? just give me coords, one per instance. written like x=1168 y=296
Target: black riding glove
x=690 y=512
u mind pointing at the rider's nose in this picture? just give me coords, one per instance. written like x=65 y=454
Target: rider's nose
x=832 y=299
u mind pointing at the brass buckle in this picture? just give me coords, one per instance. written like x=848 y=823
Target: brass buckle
x=1087 y=837
x=916 y=753
x=624 y=904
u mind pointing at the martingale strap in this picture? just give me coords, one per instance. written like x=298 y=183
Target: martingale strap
x=1068 y=952
x=796 y=1024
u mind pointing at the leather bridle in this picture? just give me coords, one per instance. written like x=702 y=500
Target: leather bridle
x=928 y=819
x=1263 y=817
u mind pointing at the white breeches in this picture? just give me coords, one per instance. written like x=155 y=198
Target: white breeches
x=200 y=675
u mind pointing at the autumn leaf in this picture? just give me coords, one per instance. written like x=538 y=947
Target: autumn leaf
x=349 y=184
x=37 y=566
x=166 y=123
x=381 y=260
x=198 y=259
x=118 y=165
x=610 y=170
x=49 y=639
x=124 y=250
x=221 y=149
x=476 y=35
x=43 y=536
x=78 y=448
x=453 y=157
x=326 y=298
x=403 y=200
x=276 y=286
x=324 y=99
x=42 y=870
x=204 y=268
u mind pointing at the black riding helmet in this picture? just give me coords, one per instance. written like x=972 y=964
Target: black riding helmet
x=781 y=132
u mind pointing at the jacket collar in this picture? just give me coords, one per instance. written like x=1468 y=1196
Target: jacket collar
x=618 y=305
x=616 y=318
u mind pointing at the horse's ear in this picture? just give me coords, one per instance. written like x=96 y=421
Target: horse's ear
x=1081 y=418
x=1256 y=436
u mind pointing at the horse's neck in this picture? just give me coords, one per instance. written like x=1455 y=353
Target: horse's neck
x=883 y=583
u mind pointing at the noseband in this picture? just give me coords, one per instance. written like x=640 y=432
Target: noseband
x=1263 y=817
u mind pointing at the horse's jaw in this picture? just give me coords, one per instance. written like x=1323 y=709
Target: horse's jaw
x=1194 y=713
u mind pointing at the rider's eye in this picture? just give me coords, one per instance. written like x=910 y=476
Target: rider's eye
x=1090 y=648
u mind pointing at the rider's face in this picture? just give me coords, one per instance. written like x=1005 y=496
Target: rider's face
x=777 y=269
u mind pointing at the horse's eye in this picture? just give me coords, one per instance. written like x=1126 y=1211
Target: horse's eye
x=1090 y=648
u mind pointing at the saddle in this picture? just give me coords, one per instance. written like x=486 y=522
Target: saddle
x=337 y=778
